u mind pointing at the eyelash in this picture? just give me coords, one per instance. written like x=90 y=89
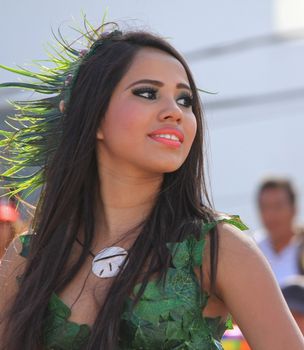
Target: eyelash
x=145 y=90
x=152 y=95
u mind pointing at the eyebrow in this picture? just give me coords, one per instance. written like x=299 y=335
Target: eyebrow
x=158 y=83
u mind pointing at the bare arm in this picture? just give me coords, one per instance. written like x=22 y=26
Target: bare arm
x=247 y=286
x=11 y=266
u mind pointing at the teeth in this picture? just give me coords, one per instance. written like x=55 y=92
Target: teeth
x=168 y=136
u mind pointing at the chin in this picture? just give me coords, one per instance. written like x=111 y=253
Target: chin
x=161 y=165
x=168 y=168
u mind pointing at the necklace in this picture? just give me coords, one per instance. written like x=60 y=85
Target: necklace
x=107 y=262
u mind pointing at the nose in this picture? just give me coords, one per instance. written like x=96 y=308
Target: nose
x=171 y=111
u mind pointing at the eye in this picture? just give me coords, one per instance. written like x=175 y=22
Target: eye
x=145 y=92
x=185 y=100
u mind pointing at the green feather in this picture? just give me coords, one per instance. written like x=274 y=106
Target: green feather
x=25 y=147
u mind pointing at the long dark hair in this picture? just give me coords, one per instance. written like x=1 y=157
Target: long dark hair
x=68 y=198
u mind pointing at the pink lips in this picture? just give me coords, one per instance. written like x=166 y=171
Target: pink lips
x=168 y=136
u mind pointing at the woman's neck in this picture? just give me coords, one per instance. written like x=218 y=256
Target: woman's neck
x=124 y=201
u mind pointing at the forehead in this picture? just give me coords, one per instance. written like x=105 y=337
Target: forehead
x=274 y=194
x=150 y=63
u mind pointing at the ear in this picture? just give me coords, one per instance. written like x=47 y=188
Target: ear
x=61 y=106
x=99 y=133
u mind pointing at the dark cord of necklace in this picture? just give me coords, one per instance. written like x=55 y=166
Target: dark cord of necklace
x=93 y=255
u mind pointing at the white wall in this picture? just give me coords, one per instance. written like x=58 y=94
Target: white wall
x=246 y=142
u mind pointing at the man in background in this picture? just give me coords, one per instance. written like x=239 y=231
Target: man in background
x=283 y=241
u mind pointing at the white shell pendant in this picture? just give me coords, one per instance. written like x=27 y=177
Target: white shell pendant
x=107 y=262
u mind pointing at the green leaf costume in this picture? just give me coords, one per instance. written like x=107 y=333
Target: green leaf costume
x=167 y=316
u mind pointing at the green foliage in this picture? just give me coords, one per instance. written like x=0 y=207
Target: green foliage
x=167 y=316
x=59 y=333
x=35 y=128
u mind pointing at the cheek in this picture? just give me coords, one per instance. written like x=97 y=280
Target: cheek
x=190 y=129
x=126 y=117
x=194 y=127
x=124 y=125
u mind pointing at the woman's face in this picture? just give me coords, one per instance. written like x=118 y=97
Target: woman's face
x=149 y=126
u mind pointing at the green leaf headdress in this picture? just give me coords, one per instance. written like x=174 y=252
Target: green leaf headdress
x=35 y=128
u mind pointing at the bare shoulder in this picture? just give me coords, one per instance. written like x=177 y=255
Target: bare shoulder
x=234 y=247
x=239 y=257
x=245 y=283
x=235 y=244
x=12 y=255
x=12 y=265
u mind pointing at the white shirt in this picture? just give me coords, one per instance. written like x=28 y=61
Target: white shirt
x=285 y=263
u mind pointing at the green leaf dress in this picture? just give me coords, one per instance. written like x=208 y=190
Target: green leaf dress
x=167 y=316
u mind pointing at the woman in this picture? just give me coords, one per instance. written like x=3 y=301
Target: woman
x=127 y=252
